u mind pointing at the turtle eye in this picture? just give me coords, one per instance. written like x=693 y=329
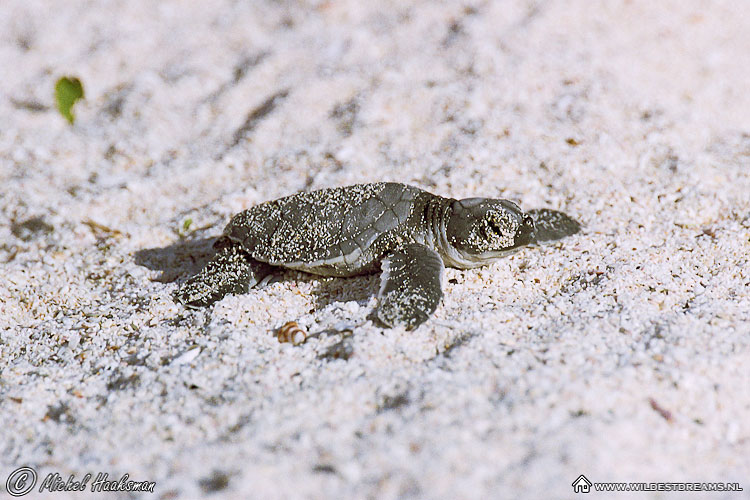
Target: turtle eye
x=495 y=229
x=491 y=230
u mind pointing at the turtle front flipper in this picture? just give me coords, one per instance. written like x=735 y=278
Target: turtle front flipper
x=551 y=225
x=231 y=270
x=410 y=286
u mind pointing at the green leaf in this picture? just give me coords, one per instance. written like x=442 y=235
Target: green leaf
x=67 y=91
x=183 y=231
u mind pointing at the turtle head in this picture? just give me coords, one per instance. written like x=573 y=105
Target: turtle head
x=480 y=230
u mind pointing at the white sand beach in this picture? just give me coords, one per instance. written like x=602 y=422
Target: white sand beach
x=621 y=353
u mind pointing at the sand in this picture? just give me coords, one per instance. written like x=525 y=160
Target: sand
x=621 y=353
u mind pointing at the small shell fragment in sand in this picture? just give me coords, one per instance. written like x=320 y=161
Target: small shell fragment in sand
x=291 y=332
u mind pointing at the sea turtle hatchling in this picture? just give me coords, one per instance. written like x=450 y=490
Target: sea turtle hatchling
x=407 y=232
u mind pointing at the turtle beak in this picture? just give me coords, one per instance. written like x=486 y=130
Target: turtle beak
x=525 y=233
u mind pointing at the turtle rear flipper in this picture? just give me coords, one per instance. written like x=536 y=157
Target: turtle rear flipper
x=410 y=286
x=231 y=270
x=551 y=225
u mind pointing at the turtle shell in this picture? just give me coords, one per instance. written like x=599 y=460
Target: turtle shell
x=328 y=231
